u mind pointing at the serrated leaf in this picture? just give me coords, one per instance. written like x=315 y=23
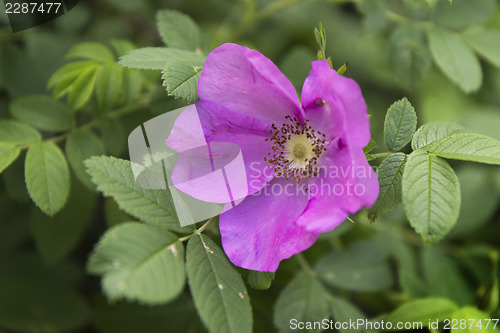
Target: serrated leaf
x=47 y=177
x=423 y=310
x=434 y=131
x=304 y=299
x=475 y=319
x=468 y=147
x=486 y=43
x=370 y=146
x=139 y=262
x=431 y=195
x=260 y=280
x=363 y=267
x=92 y=51
x=390 y=174
x=156 y=57
x=114 y=178
x=108 y=85
x=409 y=54
x=8 y=154
x=345 y=312
x=218 y=291
x=81 y=89
x=180 y=77
x=55 y=238
x=81 y=145
x=455 y=59
x=42 y=112
x=444 y=277
x=178 y=30
x=400 y=124
x=18 y=133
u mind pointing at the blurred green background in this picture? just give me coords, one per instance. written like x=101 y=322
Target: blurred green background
x=43 y=284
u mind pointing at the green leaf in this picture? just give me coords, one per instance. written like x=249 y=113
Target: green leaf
x=455 y=59
x=92 y=51
x=47 y=177
x=81 y=89
x=463 y=13
x=62 y=79
x=345 y=312
x=475 y=320
x=178 y=30
x=409 y=54
x=467 y=147
x=434 y=131
x=8 y=154
x=303 y=299
x=431 y=195
x=370 y=146
x=132 y=84
x=363 y=267
x=81 y=145
x=156 y=57
x=400 y=124
x=139 y=262
x=42 y=112
x=218 y=291
x=444 y=277
x=260 y=280
x=18 y=133
x=55 y=238
x=390 y=174
x=180 y=77
x=114 y=178
x=423 y=310
x=108 y=85
x=486 y=43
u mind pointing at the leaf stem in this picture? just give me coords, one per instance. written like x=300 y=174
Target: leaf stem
x=301 y=259
x=198 y=231
x=380 y=155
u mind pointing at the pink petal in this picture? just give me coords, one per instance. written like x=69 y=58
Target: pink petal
x=346 y=184
x=244 y=81
x=344 y=108
x=261 y=231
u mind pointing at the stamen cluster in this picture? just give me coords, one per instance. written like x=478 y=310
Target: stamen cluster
x=296 y=149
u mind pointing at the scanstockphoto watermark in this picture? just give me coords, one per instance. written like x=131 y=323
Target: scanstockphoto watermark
x=331 y=181
x=356 y=324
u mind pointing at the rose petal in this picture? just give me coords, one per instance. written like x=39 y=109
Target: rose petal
x=334 y=104
x=346 y=184
x=244 y=81
x=261 y=231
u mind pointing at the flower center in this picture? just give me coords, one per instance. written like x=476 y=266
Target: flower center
x=296 y=149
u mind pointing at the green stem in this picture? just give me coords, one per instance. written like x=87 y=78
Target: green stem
x=198 y=231
x=305 y=264
x=380 y=155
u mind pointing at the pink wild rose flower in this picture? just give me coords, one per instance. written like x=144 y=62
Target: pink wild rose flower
x=305 y=166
